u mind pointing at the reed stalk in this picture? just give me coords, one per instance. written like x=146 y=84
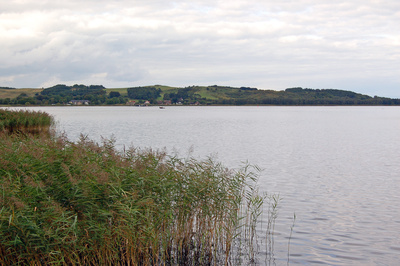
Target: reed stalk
x=69 y=203
x=24 y=122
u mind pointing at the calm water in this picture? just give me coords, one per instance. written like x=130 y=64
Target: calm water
x=336 y=168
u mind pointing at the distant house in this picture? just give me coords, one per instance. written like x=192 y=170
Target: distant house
x=79 y=102
x=131 y=103
x=146 y=103
x=164 y=102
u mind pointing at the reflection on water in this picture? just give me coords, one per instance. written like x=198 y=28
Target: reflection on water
x=336 y=168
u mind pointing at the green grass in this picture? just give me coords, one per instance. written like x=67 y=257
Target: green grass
x=122 y=91
x=5 y=93
x=207 y=95
x=86 y=203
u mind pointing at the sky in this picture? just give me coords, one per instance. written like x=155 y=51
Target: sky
x=350 y=45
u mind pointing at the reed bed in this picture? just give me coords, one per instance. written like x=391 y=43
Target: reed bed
x=24 y=121
x=86 y=203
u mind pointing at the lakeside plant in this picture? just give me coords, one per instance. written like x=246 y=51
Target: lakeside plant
x=290 y=237
x=24 y=121
x=85 y=203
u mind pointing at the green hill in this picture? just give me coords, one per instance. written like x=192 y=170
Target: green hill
x=203 y=95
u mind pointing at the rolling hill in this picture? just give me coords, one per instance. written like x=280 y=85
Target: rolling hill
x=199 y=95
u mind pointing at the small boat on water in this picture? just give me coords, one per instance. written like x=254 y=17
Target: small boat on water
x=162 y=107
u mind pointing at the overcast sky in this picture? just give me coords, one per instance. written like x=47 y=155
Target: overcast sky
x=350 y=45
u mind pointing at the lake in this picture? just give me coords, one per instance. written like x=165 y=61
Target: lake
x=336 y=168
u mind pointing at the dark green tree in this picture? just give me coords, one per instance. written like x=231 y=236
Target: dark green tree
x=144 y=93
x=114 y=94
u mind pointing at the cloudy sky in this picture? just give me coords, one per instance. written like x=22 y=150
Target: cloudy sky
x=351 y=45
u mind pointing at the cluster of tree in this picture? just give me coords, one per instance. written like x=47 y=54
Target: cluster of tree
x=290 y=101
x=7 y=88
x=248 y=89
x=38 y=100
x=76 y=90
x=326 y=93
x=144 y=93
x=114 y=94
x=183 y=95
x=228 y=87
x=63 y=94
x=22 y=99
x=300 y=96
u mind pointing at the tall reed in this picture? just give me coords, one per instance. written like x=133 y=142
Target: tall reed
x=87 y=203
x=24 y=121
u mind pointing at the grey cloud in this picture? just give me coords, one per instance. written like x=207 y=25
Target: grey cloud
x=266 y=44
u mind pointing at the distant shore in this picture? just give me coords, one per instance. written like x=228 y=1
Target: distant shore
x=193 y=95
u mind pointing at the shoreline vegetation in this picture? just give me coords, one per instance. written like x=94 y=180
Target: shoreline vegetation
x=193 y=95
x=25 y=122
x=86 y=203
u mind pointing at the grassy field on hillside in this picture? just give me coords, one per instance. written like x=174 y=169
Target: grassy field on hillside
x=4 y=93
x=122 y=91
